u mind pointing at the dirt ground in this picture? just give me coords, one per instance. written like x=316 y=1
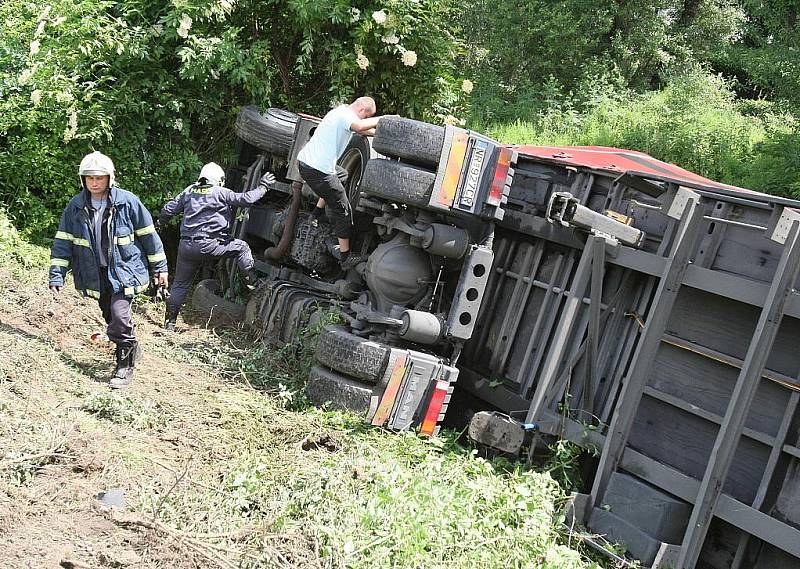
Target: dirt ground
x=65 y=438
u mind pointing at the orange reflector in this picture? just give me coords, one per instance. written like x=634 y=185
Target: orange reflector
x=452 y=173
x=387 y=401
x=434 y=408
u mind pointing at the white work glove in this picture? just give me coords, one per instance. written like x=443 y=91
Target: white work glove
x=267 y=180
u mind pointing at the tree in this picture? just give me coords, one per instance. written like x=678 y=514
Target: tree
x=157 y=85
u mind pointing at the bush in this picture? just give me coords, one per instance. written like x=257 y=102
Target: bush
x=19 y=256
x=157 y=86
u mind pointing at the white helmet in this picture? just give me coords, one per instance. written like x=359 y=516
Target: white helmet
x=97 y=164
x=212 y=174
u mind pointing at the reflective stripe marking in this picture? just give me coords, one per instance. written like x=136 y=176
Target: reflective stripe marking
x=157 y=257
x=131 y=290
x=56 y=262
x=123 y=240
x=145 y=230
x=70 y=237
x=92 y=293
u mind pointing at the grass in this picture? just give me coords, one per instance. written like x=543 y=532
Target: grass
x=224 y=464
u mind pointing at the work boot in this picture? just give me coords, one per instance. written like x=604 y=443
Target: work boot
x=127 y=354
x=251 y=279
x=170 y=319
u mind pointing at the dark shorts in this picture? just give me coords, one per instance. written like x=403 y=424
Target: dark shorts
x=330 y=187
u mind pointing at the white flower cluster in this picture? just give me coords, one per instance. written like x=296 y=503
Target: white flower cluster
x=185 y=26
x=355 y=14
x=467 y=86
x=379 y=16
x=409 y=58
x=72 y=125
x=25 y=76
x=391 y=39
x=362 y=61
x=454 y=121
x=35 y=45
x=36 y=97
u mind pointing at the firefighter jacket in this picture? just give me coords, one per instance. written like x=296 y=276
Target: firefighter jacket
x=207 y=209
x=129 y=236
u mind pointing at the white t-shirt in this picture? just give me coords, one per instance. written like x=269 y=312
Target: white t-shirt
x=329 y=140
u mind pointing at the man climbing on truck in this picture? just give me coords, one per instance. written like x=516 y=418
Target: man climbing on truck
x=206 y=208
x=317 y=165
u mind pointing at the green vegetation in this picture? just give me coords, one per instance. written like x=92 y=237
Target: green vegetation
x=709 y=84
x=157 y=86
x=217 y=473
x=695 y=121
x=21 y=256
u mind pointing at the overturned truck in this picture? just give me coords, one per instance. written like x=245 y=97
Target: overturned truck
x=628 y=305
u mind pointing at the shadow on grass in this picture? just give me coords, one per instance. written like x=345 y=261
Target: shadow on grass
x=98 y=373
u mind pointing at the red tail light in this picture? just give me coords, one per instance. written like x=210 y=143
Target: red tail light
x=500 y=176
x=438 y=396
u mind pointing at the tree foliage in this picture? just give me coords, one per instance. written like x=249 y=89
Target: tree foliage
x=711 y=84
x=157 y=85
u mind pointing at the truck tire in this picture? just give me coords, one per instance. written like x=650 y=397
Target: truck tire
x=206 y=300
x=415 y=142
x=398 y=182
x=271 y=131
x=354 y=159
x=345 y=394
x=356 y=357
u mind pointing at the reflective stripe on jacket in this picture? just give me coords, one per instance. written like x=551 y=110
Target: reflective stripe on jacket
x=134 y=246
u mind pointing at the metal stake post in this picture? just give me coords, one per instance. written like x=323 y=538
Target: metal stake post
x=745 y=390
x=685 y=206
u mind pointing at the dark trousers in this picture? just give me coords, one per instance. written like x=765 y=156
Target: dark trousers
x=192 y=254
x=330 y=187
x=116 y=311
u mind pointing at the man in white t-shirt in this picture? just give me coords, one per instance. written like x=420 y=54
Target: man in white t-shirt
x=317 y=165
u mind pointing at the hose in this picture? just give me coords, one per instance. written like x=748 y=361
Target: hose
x=282 y=248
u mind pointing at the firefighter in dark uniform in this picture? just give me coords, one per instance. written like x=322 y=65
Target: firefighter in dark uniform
x=107 y=239
x=206 y=208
